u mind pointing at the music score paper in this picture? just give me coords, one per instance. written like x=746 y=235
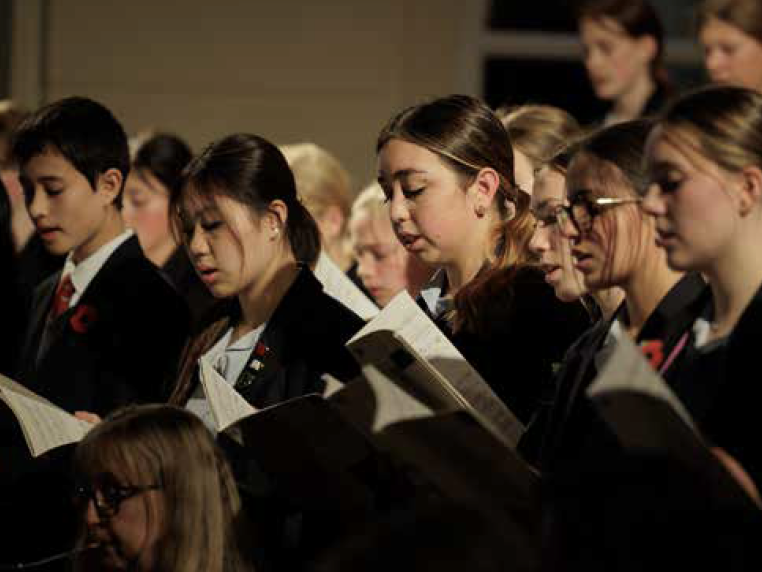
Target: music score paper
x=628 y=370
x=227 y=405
x=45 y=426
x=402 y=324
x=339 y=286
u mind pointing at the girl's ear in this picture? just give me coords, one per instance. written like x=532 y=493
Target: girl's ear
x=275 y=218
x=751 y=189
x=483 y=190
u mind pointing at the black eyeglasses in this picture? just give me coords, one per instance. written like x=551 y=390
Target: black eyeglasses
x=108 y=497
x=583 y=209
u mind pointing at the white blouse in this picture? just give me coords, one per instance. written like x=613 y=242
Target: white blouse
x=229 y=360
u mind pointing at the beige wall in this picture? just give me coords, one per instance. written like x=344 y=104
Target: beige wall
x=330 y=71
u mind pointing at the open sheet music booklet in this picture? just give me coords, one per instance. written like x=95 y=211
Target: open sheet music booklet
x=370 y=402
x=648 y=418
x=410 y=350
x=636 y=402
x=45 y=426
x=339 y=286
x=326 y=444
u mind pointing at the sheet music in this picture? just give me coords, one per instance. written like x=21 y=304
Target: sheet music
x=413 y=328
x=628 y=370
x=403 y=316
x=392 y=403
x=339 y=286
x=45 y=426
x=227 y=405
x=332 y=385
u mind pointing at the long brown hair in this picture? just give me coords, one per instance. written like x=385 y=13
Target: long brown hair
x=610 y=161
x=467 y=136
x=170 y=447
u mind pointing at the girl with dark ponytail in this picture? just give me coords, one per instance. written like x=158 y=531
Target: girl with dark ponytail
x=251 y=241
x=446 y=167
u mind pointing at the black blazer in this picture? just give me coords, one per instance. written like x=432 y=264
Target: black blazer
x=608 y=510
x=121 y=355
x=731 y=417
x=303 y=340
x=572 y=417
x=116 y=346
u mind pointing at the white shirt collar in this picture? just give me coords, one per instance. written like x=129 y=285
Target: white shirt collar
x=431 y=294
x=84 y=272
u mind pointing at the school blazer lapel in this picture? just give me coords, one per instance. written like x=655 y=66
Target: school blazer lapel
x=93 y=306
x=33 y=336
x=266 y=376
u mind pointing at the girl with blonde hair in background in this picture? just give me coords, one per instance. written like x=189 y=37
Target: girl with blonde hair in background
x=383 y=265
x=325 y=189
x=538 y=133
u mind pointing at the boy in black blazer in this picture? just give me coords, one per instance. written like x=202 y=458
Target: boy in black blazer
x=105 y=331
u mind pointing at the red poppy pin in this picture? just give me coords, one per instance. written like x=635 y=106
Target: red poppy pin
x=83 y=318
x=654 y=352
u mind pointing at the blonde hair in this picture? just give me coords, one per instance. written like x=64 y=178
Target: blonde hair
x=371 y=202
x=540 y=132
x=321 y=180
x=725 y=121
x=170 y=447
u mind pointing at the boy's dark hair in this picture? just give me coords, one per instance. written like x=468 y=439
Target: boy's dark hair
x=82 y=130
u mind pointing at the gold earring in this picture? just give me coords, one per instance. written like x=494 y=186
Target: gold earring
x=480 y=211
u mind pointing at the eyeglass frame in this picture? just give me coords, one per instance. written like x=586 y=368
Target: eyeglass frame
x=592 y=207
x=108 y=505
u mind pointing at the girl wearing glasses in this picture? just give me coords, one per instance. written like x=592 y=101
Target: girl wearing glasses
x=156 y=494
x=613 y=246
x=446 y=168
x=705 y=157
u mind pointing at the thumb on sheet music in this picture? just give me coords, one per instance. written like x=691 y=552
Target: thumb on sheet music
x=92 y=418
